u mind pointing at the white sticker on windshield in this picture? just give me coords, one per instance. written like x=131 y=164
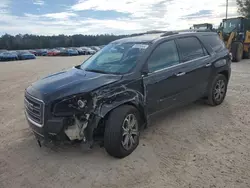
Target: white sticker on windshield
x=141 y=46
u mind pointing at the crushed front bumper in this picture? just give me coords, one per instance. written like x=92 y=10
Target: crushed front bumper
x=51 y=130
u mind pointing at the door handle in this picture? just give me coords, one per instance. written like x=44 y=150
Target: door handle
x=180 y=74
x=208 y=64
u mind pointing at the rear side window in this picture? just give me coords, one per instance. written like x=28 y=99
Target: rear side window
x=214 y=41
x=190 y=48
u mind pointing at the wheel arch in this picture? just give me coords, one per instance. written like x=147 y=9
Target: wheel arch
x=102 y=117
x=139 y=107
x=225 y=73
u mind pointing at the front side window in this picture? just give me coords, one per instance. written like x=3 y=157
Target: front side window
x=165 y=55
x=115 y=58
x=190 y=48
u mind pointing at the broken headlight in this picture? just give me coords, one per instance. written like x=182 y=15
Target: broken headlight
x=70 y=106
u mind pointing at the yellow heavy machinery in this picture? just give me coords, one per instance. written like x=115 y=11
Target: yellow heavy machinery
x=235 y=32
x=203 y=26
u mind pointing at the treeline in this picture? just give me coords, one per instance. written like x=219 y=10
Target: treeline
x=24 y=42
x=21 y=42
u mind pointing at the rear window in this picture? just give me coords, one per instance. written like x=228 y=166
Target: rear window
x=214 y=41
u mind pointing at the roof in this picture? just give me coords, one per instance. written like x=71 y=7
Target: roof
x=240 y=17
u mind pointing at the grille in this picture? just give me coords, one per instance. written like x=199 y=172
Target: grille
x=34 y=109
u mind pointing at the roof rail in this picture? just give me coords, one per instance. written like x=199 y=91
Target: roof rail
x=185 y=31
x=177 y=32
x=169 y=33
x=154 y=32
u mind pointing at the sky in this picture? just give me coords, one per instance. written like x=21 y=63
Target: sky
x=53 y=17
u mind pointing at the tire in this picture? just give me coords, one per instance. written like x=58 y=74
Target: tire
x=212 y=100
x=115 y=136
x=237 y=51
x=247 y=54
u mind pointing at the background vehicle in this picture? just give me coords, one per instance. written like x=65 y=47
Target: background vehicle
x=114 y=93
x=69 y=52
x=96 y=48
x=235 y=32
x=33 y=52
x=42 y=52
x=53 y=52
x=80 y=51
x=88 y=51
x=101 y=46
x=8 y=56
x=204 y=27
x=23 y=55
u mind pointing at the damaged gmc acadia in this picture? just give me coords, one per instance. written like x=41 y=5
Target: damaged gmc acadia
x=115 y=92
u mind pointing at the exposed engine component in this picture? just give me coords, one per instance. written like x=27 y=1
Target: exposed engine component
x=76 y=131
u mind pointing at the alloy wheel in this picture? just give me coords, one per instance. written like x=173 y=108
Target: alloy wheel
x=130 y=132
x=219 y=90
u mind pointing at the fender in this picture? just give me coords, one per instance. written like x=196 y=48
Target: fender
x=104 y=103
x=107 y=99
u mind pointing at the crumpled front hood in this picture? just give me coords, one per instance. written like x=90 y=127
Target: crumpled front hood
x=66 y=83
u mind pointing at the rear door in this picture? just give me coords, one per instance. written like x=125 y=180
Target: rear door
x=197 y=67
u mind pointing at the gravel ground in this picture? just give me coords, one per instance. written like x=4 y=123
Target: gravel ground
x=194 y=146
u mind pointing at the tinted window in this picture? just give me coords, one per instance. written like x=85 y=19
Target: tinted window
x=214 y=41
x=190 y=48
x=165 y=55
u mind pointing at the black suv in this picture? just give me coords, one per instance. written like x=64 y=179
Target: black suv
x=114 y=93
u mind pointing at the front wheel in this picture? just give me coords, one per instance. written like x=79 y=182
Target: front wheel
x=217 y=91
x=121 y=135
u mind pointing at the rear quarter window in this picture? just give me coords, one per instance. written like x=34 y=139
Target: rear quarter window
x=214 y=42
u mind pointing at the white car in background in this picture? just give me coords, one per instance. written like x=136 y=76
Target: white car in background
x=88 y=51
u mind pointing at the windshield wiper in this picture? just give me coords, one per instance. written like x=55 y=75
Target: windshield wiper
x=97 y=71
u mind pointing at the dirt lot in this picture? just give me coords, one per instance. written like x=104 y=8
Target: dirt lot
x=195 y=146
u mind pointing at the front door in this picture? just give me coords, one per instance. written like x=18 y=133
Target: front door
x=164 y=82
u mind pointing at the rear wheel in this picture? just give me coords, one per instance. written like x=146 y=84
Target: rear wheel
x=217 y=91
x=121 y=135
x=237 y=51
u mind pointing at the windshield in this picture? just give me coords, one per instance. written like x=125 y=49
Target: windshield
x=230 y=25
x=115 y=58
